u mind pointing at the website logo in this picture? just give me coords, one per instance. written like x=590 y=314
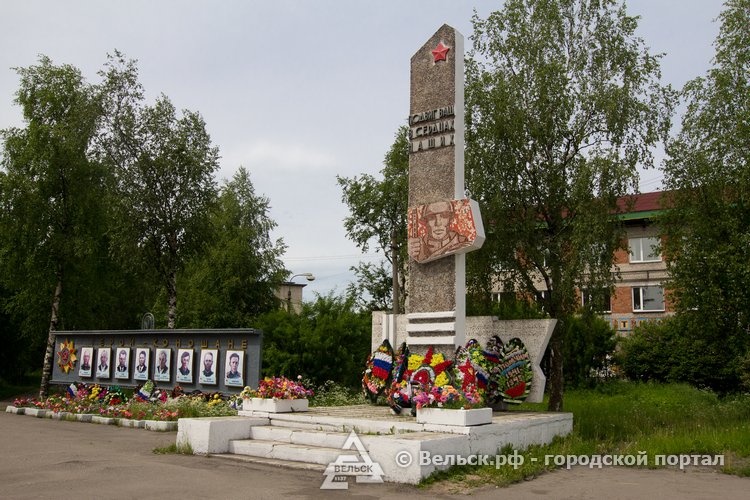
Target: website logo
x=360 y=466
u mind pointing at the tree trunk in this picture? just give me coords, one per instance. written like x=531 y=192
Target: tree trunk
x=556 y=367
x=394 y=265
x=49 y=353
x=172 y=299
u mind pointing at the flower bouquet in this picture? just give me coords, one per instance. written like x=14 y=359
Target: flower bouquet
x=276 y=395
x=447 y=405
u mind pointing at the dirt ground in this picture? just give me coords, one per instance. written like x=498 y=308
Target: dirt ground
x=42 y=458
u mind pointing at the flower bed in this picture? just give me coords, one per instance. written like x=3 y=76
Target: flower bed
x=146 y=404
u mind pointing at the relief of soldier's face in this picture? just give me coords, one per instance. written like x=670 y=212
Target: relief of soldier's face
x=437 y=225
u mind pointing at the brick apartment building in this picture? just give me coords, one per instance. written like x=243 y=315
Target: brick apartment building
x=639 y=293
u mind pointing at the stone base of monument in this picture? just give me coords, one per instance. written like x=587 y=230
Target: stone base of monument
x=251 y=406
x=316 y=439
x=534 y=333
x=446 y=416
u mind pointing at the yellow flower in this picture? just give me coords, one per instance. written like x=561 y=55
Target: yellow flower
x=437 y=359
x=441 y=380
x=415 y=361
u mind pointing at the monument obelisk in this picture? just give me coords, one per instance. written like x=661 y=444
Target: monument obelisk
x=442 y=225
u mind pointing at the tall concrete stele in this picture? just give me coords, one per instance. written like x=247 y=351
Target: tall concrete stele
x=443 y=226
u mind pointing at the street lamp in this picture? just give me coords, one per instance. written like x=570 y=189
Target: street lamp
x=308 y=276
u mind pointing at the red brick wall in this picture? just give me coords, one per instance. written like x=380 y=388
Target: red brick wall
x=622 y=300
x=622 y=256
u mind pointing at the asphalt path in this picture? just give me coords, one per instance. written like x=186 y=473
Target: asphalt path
x=43 y=458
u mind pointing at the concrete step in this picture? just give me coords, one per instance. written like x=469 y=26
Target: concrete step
x=261 y=448
x=300 y=436
x=313 y=426
x=272 y=462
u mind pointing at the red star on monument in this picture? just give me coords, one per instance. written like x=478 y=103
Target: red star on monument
x=440 y=52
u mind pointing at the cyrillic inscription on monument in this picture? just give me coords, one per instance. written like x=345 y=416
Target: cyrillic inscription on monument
x=432 y=129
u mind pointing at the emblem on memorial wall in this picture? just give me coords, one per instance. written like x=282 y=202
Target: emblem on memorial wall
x=66 y=356
x=443 y=228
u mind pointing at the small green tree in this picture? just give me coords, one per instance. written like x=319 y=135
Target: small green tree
x=378 y=212
x=588 y=348
x=234 y=278
x=563 y=104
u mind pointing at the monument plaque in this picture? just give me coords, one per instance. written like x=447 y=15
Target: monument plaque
x=439 y=232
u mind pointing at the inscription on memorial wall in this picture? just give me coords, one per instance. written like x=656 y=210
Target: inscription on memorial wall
x=432 y=129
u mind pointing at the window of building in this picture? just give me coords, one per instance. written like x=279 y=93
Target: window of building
x=504 y=296
x=648 y=298
x=643 y=250
x=599 y=300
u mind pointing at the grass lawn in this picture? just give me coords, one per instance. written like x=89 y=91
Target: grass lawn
x=627 y=418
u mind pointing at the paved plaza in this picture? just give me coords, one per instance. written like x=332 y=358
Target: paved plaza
x=42 y=458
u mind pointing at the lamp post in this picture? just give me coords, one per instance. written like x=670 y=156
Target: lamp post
x=308 y=276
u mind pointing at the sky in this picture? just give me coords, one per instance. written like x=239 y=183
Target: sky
x=296 y=91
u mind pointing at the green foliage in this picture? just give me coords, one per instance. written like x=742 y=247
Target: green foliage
x=563 y=103
x=235 y=277
x=164 y=168
x=627 y=418
x=587 y=349
x=507 y=308
x=378 y=212
x=707 y=226
x=54 y=246
x=373 y=288
x=685 y=348
x=328 y=340
x=111 y=202
x=331 y=394
x=173 y=449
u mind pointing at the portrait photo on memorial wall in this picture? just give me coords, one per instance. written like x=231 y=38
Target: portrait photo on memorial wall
x=102 y=364
x=208 y=364
x=122 y=368
x=162 y=365
x=184 y=371
x=234 y=368
x=140 y=371
x=87 y=356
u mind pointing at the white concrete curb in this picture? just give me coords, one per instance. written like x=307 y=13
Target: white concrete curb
x=150 y=425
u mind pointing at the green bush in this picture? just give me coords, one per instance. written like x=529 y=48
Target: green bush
x=682 y=348
x=328 y=340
